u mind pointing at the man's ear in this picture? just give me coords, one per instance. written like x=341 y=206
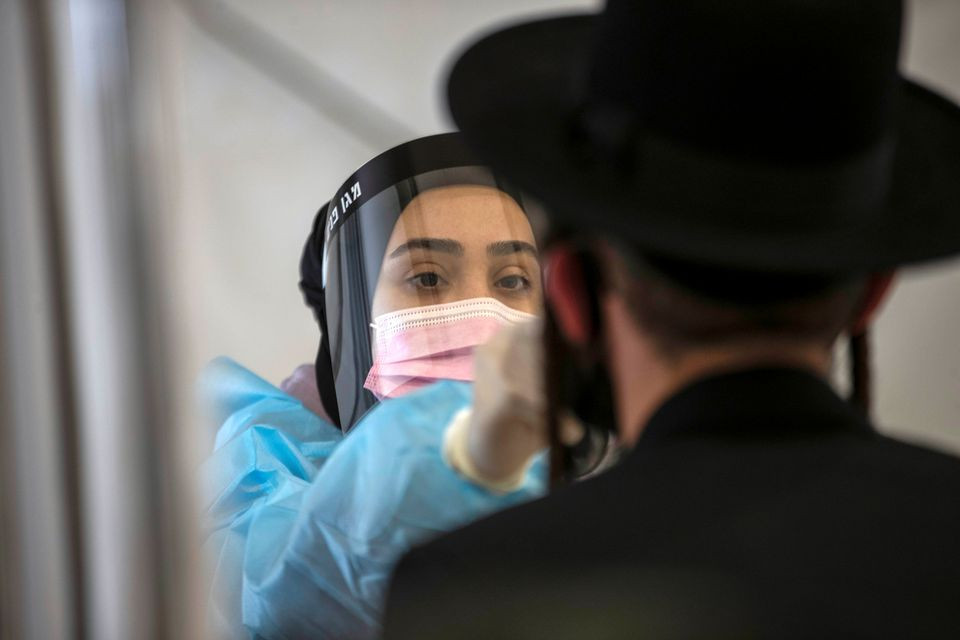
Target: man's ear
x=878 y=289
x=567 y=295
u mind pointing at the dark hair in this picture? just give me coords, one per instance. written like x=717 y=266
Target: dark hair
x=684 y=305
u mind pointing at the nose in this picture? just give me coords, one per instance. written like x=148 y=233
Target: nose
x=476 y=284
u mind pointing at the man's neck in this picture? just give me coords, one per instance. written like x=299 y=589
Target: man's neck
x=644 y=378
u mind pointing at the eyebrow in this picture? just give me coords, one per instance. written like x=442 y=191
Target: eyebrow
x=443 y=245
x=509 y=247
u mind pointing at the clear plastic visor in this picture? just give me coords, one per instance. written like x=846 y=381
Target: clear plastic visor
x=416 y=276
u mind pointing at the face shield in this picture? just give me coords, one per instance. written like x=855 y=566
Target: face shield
x=425 y=255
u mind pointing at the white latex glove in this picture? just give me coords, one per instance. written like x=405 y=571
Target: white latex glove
x=494 y=442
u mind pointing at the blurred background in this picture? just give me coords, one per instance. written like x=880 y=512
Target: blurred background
x=160 y=166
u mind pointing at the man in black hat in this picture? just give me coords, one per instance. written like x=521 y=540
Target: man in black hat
x=742 y=178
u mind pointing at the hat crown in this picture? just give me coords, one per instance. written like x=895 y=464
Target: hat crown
x=770 y=135
x=790 y=80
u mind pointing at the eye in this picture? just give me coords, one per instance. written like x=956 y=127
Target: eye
x=513 y=283
x=426 y=280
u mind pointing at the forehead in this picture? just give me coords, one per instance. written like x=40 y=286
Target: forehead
x=465 y=213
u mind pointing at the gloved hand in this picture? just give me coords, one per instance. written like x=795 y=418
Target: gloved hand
x=493 y=442
x=302 y=385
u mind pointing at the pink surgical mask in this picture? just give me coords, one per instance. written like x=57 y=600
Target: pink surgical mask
x=416 y=347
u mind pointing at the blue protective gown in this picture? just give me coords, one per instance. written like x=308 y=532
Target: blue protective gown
x=305 y=524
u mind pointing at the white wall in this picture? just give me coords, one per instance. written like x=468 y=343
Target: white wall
x=917 y=341
x=255 y=161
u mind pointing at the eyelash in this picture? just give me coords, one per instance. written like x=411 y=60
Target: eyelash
x=416 y=281
x=525 y=284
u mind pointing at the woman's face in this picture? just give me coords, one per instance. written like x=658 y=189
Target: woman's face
x=459 y=242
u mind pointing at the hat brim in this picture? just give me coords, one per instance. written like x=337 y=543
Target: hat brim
x=512 y=95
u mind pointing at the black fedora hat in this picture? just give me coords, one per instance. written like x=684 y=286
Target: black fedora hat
x=769 y=135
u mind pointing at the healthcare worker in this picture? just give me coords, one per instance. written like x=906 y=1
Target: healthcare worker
x=421 y=256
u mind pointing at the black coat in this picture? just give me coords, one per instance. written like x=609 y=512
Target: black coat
x=756 y=504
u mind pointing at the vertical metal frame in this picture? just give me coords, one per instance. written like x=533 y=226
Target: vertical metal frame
x=39 y=581
x=92 y=535
x=109 y=293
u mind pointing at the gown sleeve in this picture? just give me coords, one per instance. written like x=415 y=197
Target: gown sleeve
x=307 y=524
x=267 y=450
